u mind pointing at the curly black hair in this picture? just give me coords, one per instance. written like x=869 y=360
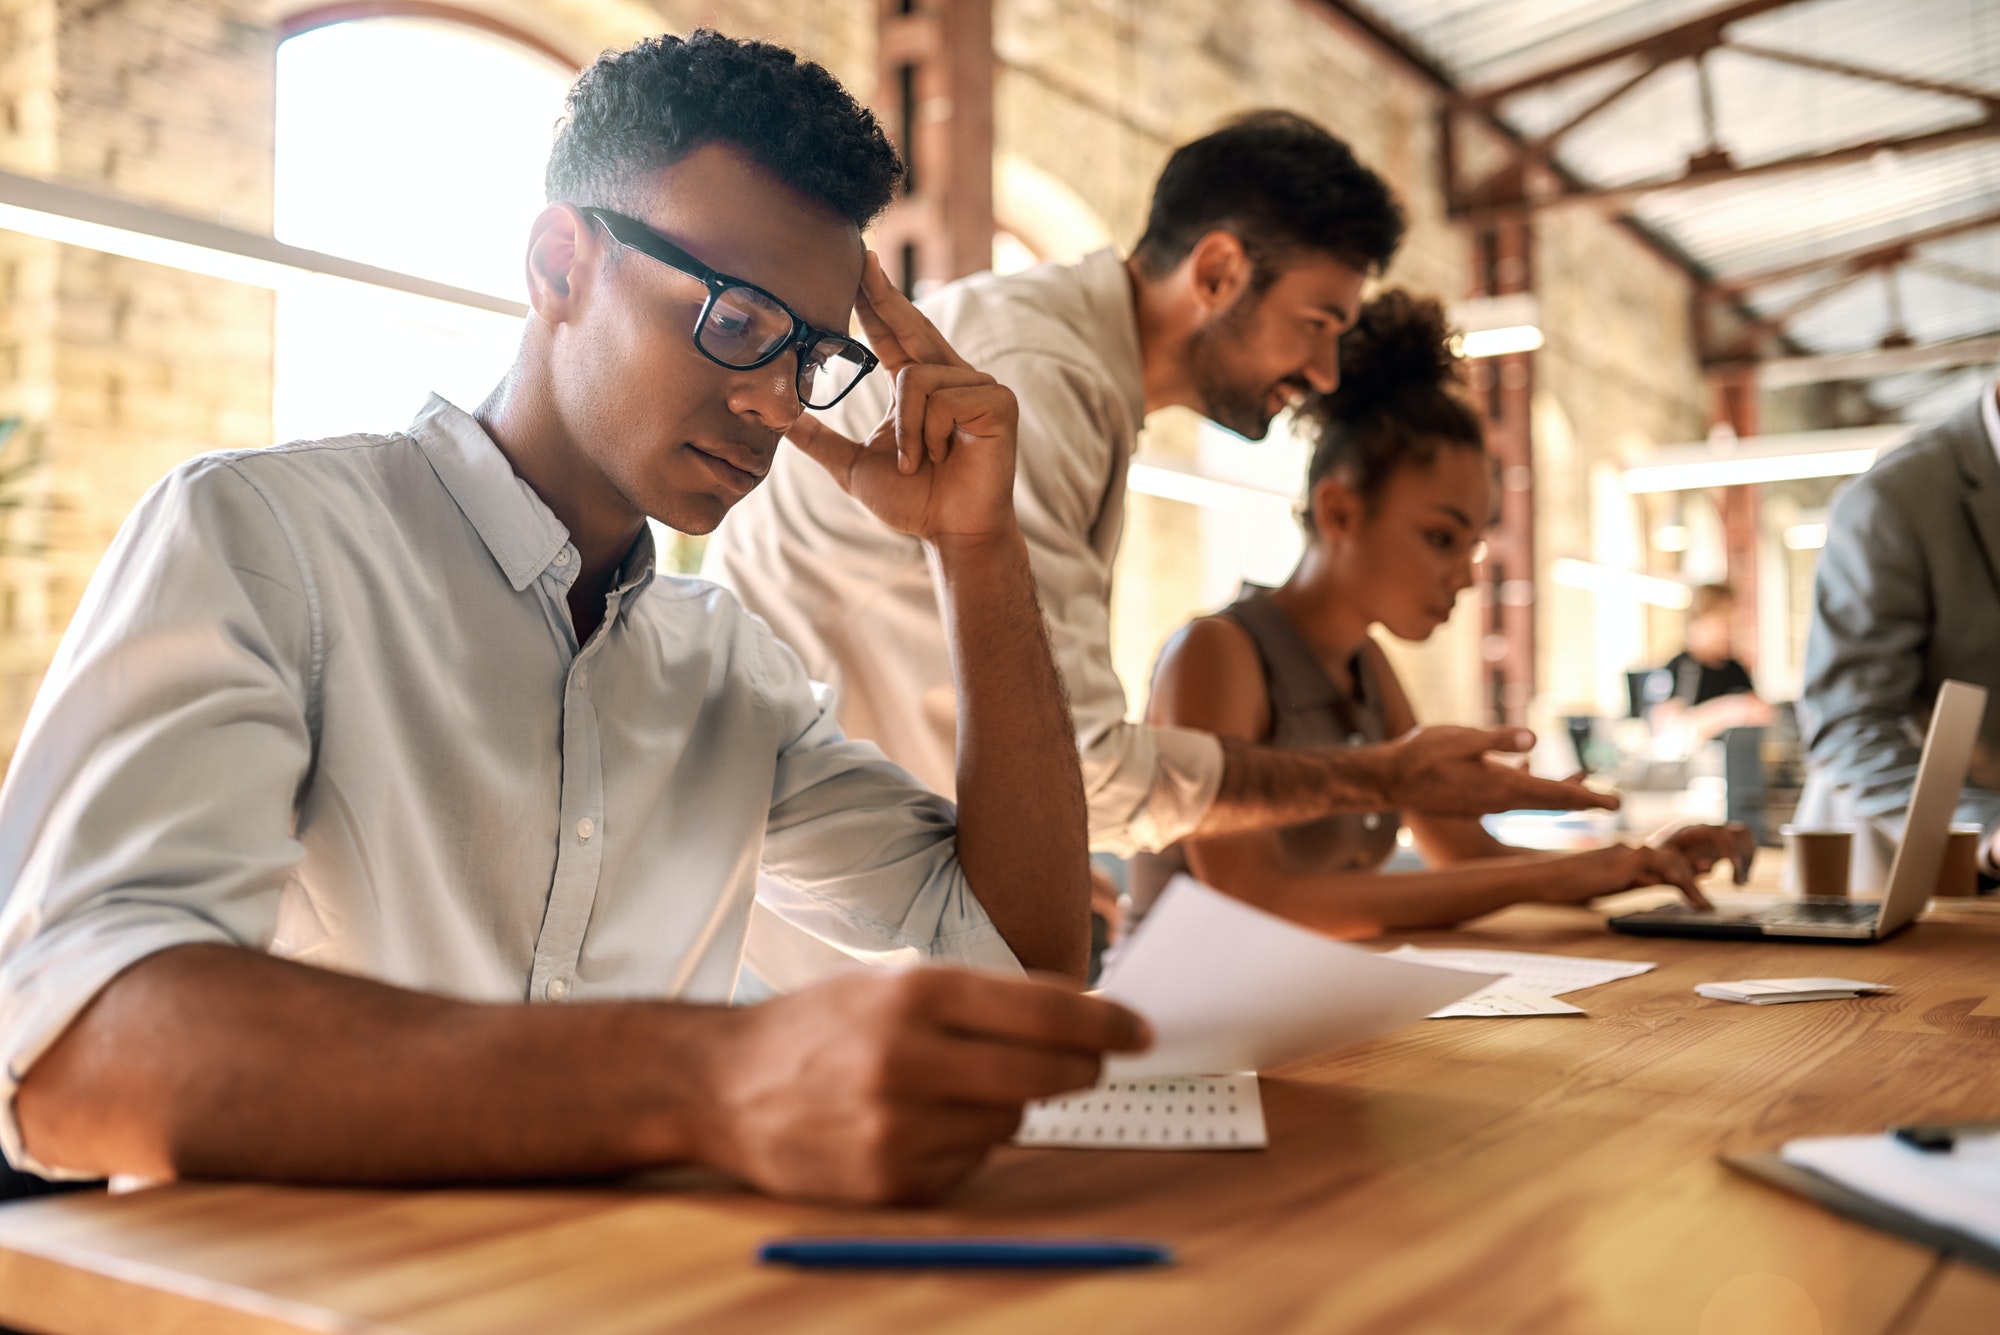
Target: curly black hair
x=1399 y=401
x=647 y=107
x=1281 y=185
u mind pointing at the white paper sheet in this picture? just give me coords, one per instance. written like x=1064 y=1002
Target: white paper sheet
x=1203 y=1112
x=1545 y=975
x=1529 y=983
x=1960 y=1189
x=1228 y=987
x=1498 y=999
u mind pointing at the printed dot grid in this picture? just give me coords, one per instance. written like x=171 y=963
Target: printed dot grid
x=1220 y=1112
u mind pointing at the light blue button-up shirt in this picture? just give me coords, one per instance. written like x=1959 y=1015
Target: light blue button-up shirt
x=325 y=700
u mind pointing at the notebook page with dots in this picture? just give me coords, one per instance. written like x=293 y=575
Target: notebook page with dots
x=1203 y=1112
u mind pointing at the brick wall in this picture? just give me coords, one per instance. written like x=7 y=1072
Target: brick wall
x=121 y=369
x=125 y=368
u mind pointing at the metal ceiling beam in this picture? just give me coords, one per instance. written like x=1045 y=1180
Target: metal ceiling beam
x=1991 y=101
x=1364 y=29
x=1875 y=252
x=1624 y=196
x=1781 y=372
x=1957 y=273
x=1681 y=40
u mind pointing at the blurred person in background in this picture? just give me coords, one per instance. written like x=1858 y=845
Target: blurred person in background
x=1260 y=239
x=1399 y=496
x=1907 y=594
x=1705 y=689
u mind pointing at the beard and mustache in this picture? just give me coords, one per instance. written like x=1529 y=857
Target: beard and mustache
x=1228 y=398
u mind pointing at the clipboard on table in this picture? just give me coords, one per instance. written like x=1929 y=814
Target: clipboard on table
x=1867 y=1210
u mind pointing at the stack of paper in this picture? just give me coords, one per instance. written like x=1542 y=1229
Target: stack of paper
x=1776 y=991
x=1530 y=983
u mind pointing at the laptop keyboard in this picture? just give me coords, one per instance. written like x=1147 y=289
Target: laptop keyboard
x=1816 y=915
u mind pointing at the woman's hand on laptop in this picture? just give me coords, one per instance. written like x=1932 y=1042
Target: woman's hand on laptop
x=1706 y=845
x=940 y=466
x=1679 y=857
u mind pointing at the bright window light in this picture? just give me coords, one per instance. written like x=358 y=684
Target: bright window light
x=1616 y=583
x=1173 y=481
x=1805 y=537
x=1672 y=538
x=418 y=146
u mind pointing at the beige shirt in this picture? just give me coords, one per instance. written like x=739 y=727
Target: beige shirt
x=856 y=601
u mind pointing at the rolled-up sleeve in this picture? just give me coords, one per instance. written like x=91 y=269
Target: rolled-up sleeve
x=150 y=803
x=856 y=852
x=1147 y=786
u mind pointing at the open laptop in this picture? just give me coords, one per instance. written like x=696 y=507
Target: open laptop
x=1940 y=775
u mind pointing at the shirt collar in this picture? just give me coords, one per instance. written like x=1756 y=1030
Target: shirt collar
x=1108 y=289
x=521 y=532
x=1989 y=412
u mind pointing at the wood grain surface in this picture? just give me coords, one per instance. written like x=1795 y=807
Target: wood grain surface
x=1544 y=1174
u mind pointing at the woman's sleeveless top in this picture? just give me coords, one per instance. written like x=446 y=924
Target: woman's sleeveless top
x=1309 y=710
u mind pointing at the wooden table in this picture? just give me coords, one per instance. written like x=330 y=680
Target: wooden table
x=1551 y=1174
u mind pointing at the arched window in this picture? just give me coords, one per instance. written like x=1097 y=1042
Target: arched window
x=416 y=144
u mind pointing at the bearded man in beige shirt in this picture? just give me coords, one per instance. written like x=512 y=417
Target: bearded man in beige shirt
x=1260 y=240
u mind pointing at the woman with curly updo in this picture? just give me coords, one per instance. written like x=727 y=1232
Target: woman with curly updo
x=1399 y=495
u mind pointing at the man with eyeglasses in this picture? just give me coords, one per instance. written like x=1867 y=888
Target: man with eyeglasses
x=1260 y=240
x=417 y=710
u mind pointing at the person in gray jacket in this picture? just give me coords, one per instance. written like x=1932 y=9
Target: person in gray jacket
x=1907 y=595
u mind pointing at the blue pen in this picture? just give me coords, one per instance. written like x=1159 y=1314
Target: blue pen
x=964 y=1253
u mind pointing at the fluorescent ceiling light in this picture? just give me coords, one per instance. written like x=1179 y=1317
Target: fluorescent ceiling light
x=1616 y=583
x=77 y=217
x=1745 y=472
x=1500 y=342
x=1729 y=462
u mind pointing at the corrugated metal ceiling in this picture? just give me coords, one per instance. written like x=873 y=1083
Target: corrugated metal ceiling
x=1766 y=110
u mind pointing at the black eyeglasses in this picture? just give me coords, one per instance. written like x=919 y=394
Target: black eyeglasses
x=742 y=326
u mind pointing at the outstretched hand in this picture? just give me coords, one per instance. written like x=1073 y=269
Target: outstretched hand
x=1450 y=771
x=940 y=466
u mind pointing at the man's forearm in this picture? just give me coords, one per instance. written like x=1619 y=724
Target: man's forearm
x=1023 y=826
x=1265 y=788
x=211 y=1061
x=1440 y=771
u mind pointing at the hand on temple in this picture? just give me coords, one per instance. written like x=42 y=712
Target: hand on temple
x=940 y=466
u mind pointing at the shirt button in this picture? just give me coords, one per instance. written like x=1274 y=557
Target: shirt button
x=562 y=557
x=556 y=990
x=585 y=828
